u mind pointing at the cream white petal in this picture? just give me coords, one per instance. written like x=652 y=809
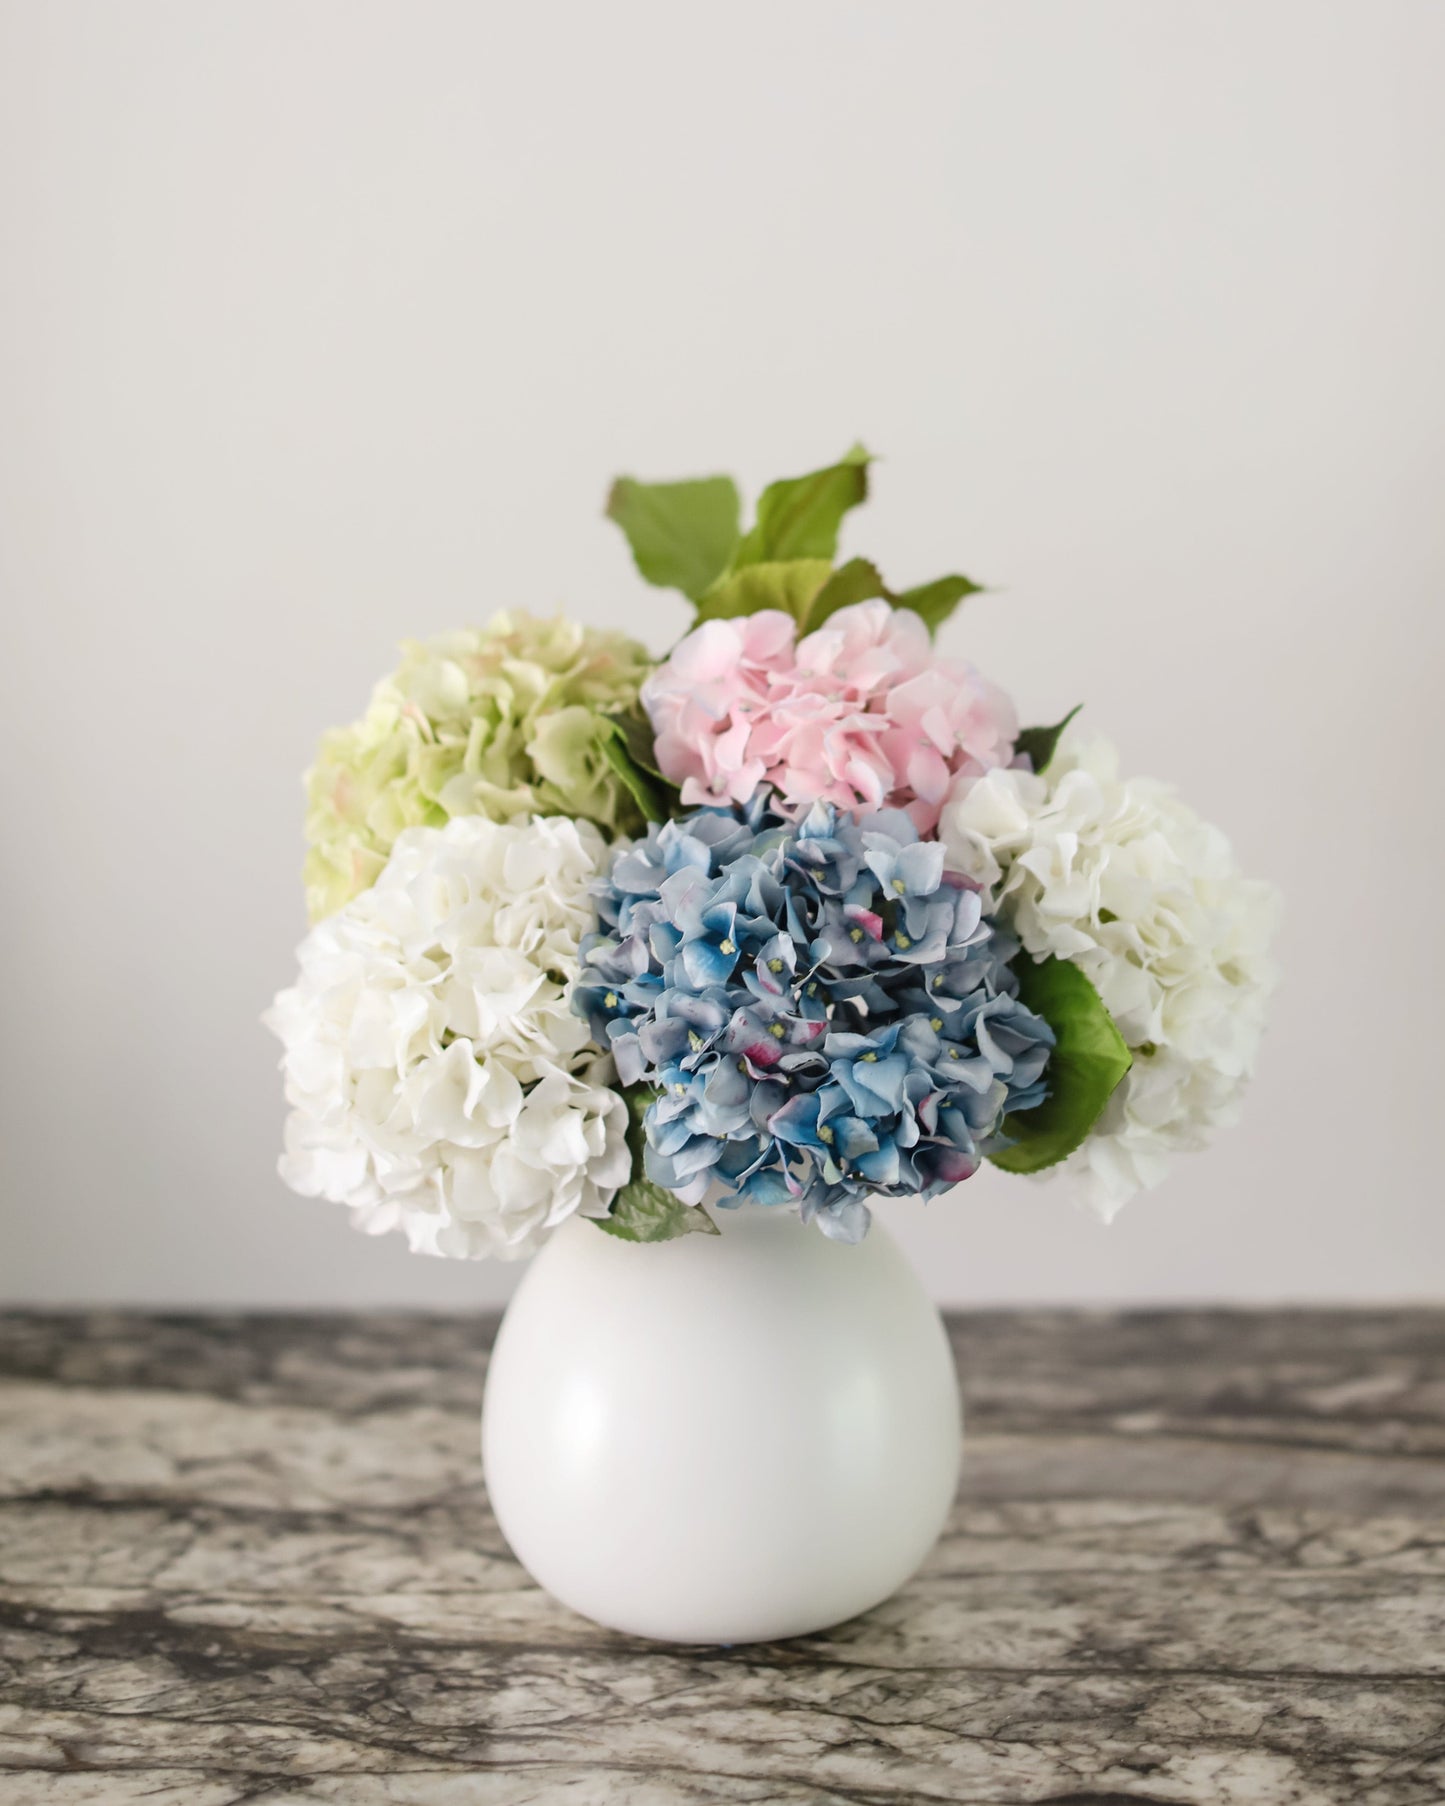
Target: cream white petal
x=440 y=1082
x=1145 y=897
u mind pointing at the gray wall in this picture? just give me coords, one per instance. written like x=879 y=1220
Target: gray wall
x=323 y=324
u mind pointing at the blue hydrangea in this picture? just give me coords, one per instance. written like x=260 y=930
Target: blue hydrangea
x=822 y=1010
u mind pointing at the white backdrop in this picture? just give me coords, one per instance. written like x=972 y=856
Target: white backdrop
x=326 y=322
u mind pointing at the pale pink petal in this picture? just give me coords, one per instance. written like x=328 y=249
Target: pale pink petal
x=707 y=655
x=859 y=713
x=767 y=637
x=928 y=774
x=726 y=752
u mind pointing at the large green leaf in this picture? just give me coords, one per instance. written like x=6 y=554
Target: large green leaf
x=1087 y=1063
x=642 y=1211
x=686 y=536
x=1041 y=743
x=799 y=517
x=936 y=601
x=856 y=581
x=859 y=580
x=791 y=587
x=683 y=535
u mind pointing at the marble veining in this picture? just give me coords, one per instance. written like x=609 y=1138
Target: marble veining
x=1198 y=1559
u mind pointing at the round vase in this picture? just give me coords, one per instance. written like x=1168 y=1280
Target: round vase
x=721 y=1439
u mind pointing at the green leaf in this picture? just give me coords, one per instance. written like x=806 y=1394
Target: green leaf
x=799 y=517
x=642 y=1211
x=636 y=733
x=683 y=535
x=646 y=790
x=1041 y=743
x=791 y=587
x=856 y=581
x=936 y=601
x=1087 y=1063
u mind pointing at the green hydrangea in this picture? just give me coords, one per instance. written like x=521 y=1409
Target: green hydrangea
x=503 y=720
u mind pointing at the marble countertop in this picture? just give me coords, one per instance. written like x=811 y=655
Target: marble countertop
x=1198 y=1557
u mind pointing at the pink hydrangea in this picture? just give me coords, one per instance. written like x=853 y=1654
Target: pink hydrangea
x=860 y=713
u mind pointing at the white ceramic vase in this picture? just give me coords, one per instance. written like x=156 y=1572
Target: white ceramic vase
x=721 y=1439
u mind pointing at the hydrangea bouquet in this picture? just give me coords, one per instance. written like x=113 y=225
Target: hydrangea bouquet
x=796 y=917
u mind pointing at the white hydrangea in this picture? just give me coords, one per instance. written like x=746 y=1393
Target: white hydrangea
x=1129 y=883
x=440 y=1082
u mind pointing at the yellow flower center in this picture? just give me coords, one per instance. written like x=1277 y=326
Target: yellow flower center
x=776 y=1028
x=726 y=947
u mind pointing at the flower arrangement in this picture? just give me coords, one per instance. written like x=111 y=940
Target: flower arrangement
x=795 y=916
